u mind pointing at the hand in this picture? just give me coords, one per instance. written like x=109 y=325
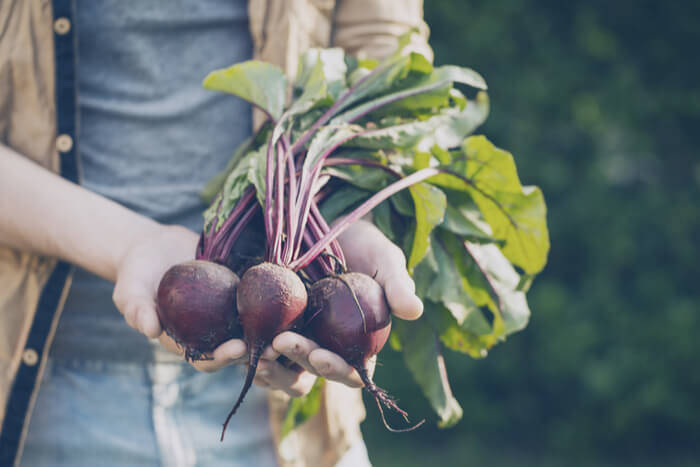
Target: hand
x=368 y=251
x=138 y=274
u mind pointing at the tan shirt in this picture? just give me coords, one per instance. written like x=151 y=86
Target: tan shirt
x=31 y=284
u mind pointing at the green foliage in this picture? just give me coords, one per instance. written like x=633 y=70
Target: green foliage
x=600 y=104
x=302 y=408
x=424 y=359
x=471 y=290
x=259 y=83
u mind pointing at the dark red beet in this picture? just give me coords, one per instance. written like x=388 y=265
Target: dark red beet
x=271 y=299
x=348 y=314
x=196 y=305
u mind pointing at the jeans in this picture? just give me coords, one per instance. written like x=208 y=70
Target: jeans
x=96 y=413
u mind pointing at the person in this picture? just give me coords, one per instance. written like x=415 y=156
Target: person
x=106 y=140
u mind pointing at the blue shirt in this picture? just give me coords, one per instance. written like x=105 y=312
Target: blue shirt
x=150 y=136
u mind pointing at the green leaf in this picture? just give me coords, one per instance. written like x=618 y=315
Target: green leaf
x=490 y=280
x=383 y=77
x=503 y=284
x=259 y=83
x=382 y=218
x=341 y=200
x=465 y=220
x=302 y=408
x=213 y=186
x=430 y=89
x=446 y=130
x=424 y=359
x=516 y=214
x=324 y=140
x=438 y=279
x=368 y=178
x=231 y=190
x=456 y=337
x=429 y=207
x=322 y=69
x=257 y=172
x=216 y=184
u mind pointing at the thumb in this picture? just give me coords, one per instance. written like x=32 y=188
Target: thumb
x=139 y=310
x=369 y=251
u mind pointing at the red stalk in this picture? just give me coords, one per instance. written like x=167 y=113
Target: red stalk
x=360 y=211
x=325 y=228
x=279 y=205
x=291 y=207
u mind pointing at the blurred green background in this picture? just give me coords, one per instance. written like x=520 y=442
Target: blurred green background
x=599 y=102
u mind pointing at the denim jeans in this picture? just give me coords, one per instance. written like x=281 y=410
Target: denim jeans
x=97 y=413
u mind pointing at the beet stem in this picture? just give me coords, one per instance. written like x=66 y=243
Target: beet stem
x=291 y=207
x=269 y=180
x=306 y=184
x=235 y=233
x=276 y=254
x=252 y=367
x=332 y=110
x=335 y=246
x=360 y=211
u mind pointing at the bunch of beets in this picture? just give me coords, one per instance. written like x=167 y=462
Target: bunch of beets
x=281 y=177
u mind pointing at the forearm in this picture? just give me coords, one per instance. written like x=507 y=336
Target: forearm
x=41 y=212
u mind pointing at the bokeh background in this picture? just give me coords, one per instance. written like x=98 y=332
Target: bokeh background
x=599 y=102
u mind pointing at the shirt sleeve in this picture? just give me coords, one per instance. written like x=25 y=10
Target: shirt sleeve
x=370 y=28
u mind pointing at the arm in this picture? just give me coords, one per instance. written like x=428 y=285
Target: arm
x=41 y=212
x=369 y=28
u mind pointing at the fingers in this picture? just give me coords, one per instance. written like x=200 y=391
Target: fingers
x=234 y=350
x=367 y=250
x=275 y=376
x=331 y=366
x=401 y=297
x=296 y=348
x=139 y=313
x=307 y=354
x=231 y=352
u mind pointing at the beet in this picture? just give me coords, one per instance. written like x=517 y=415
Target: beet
x=196 y=305
x=348 y=314
x=271 y=299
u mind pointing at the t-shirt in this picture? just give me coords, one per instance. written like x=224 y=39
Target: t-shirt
x=150 y=136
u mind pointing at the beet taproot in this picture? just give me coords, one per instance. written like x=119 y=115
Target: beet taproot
x=349 y=315
x=271 y=299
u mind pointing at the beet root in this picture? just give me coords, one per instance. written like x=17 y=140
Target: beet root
x=271 y=299
x=348 y=314
x=196 y=305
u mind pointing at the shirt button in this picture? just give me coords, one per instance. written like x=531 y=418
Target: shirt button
x=30 y=357
x=61 y=26
x=64 y=143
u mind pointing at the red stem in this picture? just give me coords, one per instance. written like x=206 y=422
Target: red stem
x=279 y=204
x=325 y=228
x=360 y=211
x=330 y=112
x=235 y=233
x=269 y=208
x=311 y=236
x=307 y=184
x=213 y=245
x=291 y=207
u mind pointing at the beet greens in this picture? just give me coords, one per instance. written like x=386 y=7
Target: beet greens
x=393 y=138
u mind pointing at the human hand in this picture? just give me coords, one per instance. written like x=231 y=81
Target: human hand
x=138 y=275
x=368 y=251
